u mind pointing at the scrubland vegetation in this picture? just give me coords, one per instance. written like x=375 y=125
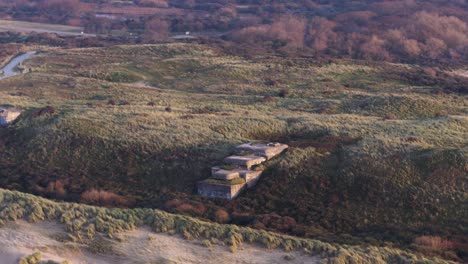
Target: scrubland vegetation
x=86 y=224
x=428 y=32
x=378 y=151
x=36 y=258
x=8 y=51
x=370 y=95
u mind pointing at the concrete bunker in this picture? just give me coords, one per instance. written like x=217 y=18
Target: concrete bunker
x=240 y=171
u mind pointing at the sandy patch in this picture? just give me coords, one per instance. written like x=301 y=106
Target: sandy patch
x=463 y=73
x=143 y=85
x=20 y=238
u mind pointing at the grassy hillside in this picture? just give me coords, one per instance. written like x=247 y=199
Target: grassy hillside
x=379 y=151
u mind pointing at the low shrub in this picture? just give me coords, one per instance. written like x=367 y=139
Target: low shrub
x=268 y=99
x=100 y=246
x=434 y=242
x=207 y=243
x=222 y=216
x=283 y=92
x=31 y=259
x=44 y=111
x=273 y=82
x=105 y=198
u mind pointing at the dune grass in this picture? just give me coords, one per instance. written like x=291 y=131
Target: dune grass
x=84 y=222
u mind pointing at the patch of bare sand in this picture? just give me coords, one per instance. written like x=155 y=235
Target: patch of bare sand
x=143 y=85
x=20 y=238
x=145 y=246
x=461 y=72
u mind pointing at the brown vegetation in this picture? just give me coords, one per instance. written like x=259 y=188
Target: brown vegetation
x=222 y=216
x=376 y=30
x=435 y=245
x=268 y=99
x=105 y=198
x=283 y=92
x=44 y=111
x=434 y=242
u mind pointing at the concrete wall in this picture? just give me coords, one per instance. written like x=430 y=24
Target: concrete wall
x=243 y=163
x=214 y=190
x=252 y=178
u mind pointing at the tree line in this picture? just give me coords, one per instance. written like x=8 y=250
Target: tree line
x=401 y=30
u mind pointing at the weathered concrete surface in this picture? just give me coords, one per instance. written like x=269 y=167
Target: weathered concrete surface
x=218 y=173
x=268 y=150
x=241 y=168
x=251 y=177
x=8 y=115
x=215 y=190
x=244 y=161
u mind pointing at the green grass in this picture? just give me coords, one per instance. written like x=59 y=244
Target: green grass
x=31 y=259
x=225 y=182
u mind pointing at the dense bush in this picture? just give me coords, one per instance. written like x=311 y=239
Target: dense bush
x=104 y=198
x=44 y=111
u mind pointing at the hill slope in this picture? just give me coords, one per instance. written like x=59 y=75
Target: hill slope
x=378 y=150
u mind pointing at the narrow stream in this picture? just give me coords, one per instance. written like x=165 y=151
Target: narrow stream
x=10 y=69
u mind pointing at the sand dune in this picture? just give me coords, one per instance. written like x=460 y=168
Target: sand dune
x=21 y=238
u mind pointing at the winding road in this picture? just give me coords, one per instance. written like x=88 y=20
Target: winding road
x=10 y=69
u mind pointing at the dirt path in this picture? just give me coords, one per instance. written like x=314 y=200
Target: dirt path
x=20 y=238
x=143 y=85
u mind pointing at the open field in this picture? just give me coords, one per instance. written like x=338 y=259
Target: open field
x=378 y=151
x=22 y=26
